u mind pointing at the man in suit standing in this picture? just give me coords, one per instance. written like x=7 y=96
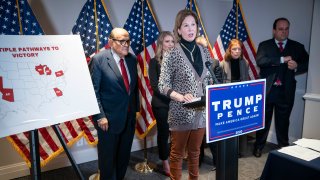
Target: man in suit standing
x=114 y=77
x=279 y=60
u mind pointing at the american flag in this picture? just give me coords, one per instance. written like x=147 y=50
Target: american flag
x=17 y=18
x=143 y=30
x=202 y=31
x=94 y=27
x=235 y=27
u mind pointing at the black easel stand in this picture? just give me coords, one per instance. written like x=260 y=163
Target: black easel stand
x=66 y=150
x=35 y=156
x=227 y=159
x=35 y=170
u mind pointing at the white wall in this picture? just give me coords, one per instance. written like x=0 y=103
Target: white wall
x=311 y=117
x=59 y=16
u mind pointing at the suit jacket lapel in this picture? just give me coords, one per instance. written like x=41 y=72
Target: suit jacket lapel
x=114 y=67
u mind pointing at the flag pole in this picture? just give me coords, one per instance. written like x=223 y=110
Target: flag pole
x=237 y=21
x=96 y=176
x=144 y=43
x=97 y=28
x=19 y=17
x=144 y=167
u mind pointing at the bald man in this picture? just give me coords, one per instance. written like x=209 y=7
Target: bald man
x=114 y=77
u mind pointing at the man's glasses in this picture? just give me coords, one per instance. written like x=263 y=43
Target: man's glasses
x=122 y=42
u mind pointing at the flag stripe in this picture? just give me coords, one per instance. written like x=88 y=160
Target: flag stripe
x=43 y=153
x=144 y=104
x=218 y=54
x=139 y=130
x=71 y=129
x=46 y=137
x=249 y=55
x=89 y=130
x=21 y=146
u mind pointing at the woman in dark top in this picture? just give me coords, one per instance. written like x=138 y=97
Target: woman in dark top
x=160 y=103
x=235 y=67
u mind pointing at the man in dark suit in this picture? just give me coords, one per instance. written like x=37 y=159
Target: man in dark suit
x=114 y=77
x=279 y=60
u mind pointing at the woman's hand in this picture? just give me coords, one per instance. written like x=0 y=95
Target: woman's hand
x=181 y=98
x=188 y=97
x=177 y=96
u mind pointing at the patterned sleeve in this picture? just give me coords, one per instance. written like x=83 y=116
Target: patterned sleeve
x=167 y=72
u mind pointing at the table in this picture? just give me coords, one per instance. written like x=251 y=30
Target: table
x=282 y=166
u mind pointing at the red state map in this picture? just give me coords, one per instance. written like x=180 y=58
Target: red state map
x=7 y=94
x=45 y=70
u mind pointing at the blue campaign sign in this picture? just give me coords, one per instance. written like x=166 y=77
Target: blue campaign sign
x=234 y=109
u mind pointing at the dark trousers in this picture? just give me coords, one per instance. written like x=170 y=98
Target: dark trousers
x=161 y=115
x=213 y=149
x=282 y=109
x=114 y=152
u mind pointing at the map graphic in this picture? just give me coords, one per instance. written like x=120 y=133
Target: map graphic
x=44 y=80
x=29 y=86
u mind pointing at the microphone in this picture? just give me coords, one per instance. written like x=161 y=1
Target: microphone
x=208 y=65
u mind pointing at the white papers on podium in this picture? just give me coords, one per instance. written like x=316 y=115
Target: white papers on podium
x=300 y=152
x=193 y=100
x=196 y=102
x=309 y=143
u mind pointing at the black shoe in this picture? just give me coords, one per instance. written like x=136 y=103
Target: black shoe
x=257 y=152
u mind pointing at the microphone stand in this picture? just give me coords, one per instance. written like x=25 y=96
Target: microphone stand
x=213 y=76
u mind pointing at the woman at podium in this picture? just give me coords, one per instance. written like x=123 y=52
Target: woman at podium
x=183 y=78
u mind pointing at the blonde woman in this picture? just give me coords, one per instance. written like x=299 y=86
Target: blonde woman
x=160 y=103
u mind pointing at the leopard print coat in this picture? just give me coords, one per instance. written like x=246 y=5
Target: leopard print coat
x=178 y=74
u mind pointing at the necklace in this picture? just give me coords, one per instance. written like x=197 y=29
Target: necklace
x=194 y=46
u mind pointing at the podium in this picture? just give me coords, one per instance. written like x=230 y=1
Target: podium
x=233 y=109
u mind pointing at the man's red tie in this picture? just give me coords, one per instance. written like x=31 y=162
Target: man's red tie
x=124 y=75
x=280 y=46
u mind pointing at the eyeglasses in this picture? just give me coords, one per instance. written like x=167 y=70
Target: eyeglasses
x=122 y=42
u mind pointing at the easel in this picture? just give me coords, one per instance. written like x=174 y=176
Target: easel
x=35 y=170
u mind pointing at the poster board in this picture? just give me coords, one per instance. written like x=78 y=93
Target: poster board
x=44 y=80
x=234 y=109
